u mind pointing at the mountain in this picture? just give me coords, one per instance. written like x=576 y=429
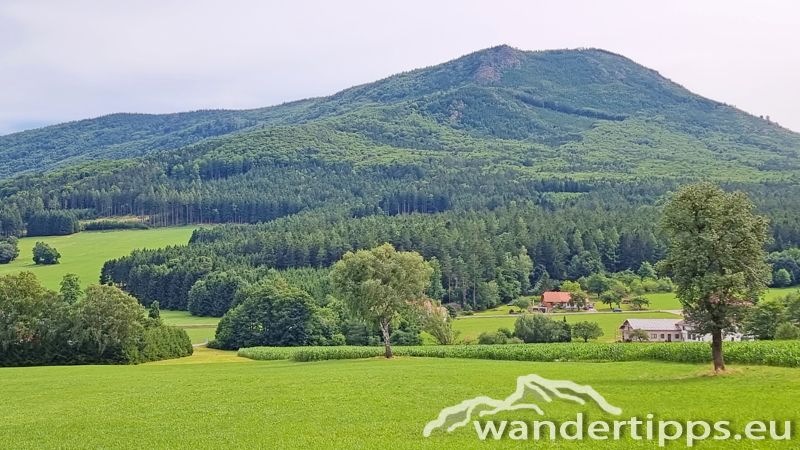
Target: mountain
x=570 y=111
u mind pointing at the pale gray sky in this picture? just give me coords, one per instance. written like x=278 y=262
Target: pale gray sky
x=62 y=61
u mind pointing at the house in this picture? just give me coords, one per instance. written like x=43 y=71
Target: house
x=670 y=330
x=552 y=300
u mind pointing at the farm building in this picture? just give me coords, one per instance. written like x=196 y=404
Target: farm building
x=669 y=330
x=561 y=300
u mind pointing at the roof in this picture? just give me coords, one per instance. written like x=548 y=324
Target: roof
x=556 y=297
x=653 y=324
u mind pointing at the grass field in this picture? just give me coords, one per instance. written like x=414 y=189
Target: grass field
x=84 y=253
x=198 y=327
x=474 y=326
x=215 y=399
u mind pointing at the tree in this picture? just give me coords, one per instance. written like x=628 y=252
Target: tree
x=269 y=313
x=611 y=297
x=108 y=318
x=716 y=258
x=436 y=321
x=598 y=283
x=71 y=290
x=640 y=301
x=522 y=303
x=762 y=320
x=639 y=335
x=577 y=298
x=786 y=332
x=377 y=284
x=646 y=270
x=44 y=254
x=570 y=286
x=154 y=312
x=540 y=328
x=586 y=331
x=782 y=278
x=9 y=249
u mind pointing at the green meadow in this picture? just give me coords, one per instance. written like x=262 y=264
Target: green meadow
x=84 y=253
x=215 y=399
x=474 y=326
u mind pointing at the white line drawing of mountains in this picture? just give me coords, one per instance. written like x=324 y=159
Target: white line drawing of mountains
x=542 y=388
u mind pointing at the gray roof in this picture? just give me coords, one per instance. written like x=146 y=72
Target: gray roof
x=654 y=324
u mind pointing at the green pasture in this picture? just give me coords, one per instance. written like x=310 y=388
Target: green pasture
x=84 y=253
x=215 y=399
x=474 y=326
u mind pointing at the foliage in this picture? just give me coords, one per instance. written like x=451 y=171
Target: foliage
x=379 y=283
x=52 y=223
x=44 y=254
x=770 y=353
x=271 y=313
x=492 y=338
x=781 y=278
x=586 y=331
x=101 y=225
x=716 y=257
x=71 y=290
x=640 y=301
x=639 y=335
x=534 y=328
x=40 y=327
x=786 y=331
x=9 y=249
x=154 y=311
x=438 y=322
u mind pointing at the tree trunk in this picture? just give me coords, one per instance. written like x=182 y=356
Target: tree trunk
x=385 y=331
x=716 y=350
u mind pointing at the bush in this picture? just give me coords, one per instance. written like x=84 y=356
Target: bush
x=509 y=334
x=492 y=338
x=522 y=303
x=44 y=254
x=99 y=225
x=770 y=353
x=338 y=339
x=9 y=250
x=272 y=314
x=533 y=328
x=105 y=326
x=514 y=340
x=786 y=331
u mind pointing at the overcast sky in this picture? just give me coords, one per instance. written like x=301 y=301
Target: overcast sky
x=62 y=61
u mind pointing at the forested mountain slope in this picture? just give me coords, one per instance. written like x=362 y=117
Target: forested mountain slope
x=595 y=110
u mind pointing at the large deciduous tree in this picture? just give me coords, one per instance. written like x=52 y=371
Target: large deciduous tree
x=377 y=284
x=716 y=258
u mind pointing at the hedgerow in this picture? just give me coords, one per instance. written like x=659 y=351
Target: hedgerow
x=770 y=353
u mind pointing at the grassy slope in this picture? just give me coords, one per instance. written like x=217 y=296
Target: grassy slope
x=608 y=322
x=84 y=253
x=198 y=333
x=192 y=403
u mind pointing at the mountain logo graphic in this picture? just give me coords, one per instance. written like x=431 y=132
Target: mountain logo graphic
x=540 y=388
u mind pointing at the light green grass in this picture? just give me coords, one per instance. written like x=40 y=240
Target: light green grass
x=367 y=404
x=472 y=327
x=185 y=318
x=198 y=335
x=84 y=253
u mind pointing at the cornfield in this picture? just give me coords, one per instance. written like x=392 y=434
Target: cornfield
x=770 y=353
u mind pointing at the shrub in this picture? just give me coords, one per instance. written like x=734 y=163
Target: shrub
x=99 y=225
x=9 y=250
x=44 y=254
x=492 y=338
x=533 y=328
x=338 y=339
x=514 y=340
x=509 y=334
x=786 y=331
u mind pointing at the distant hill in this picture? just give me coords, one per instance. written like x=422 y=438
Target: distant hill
x=574 y=111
